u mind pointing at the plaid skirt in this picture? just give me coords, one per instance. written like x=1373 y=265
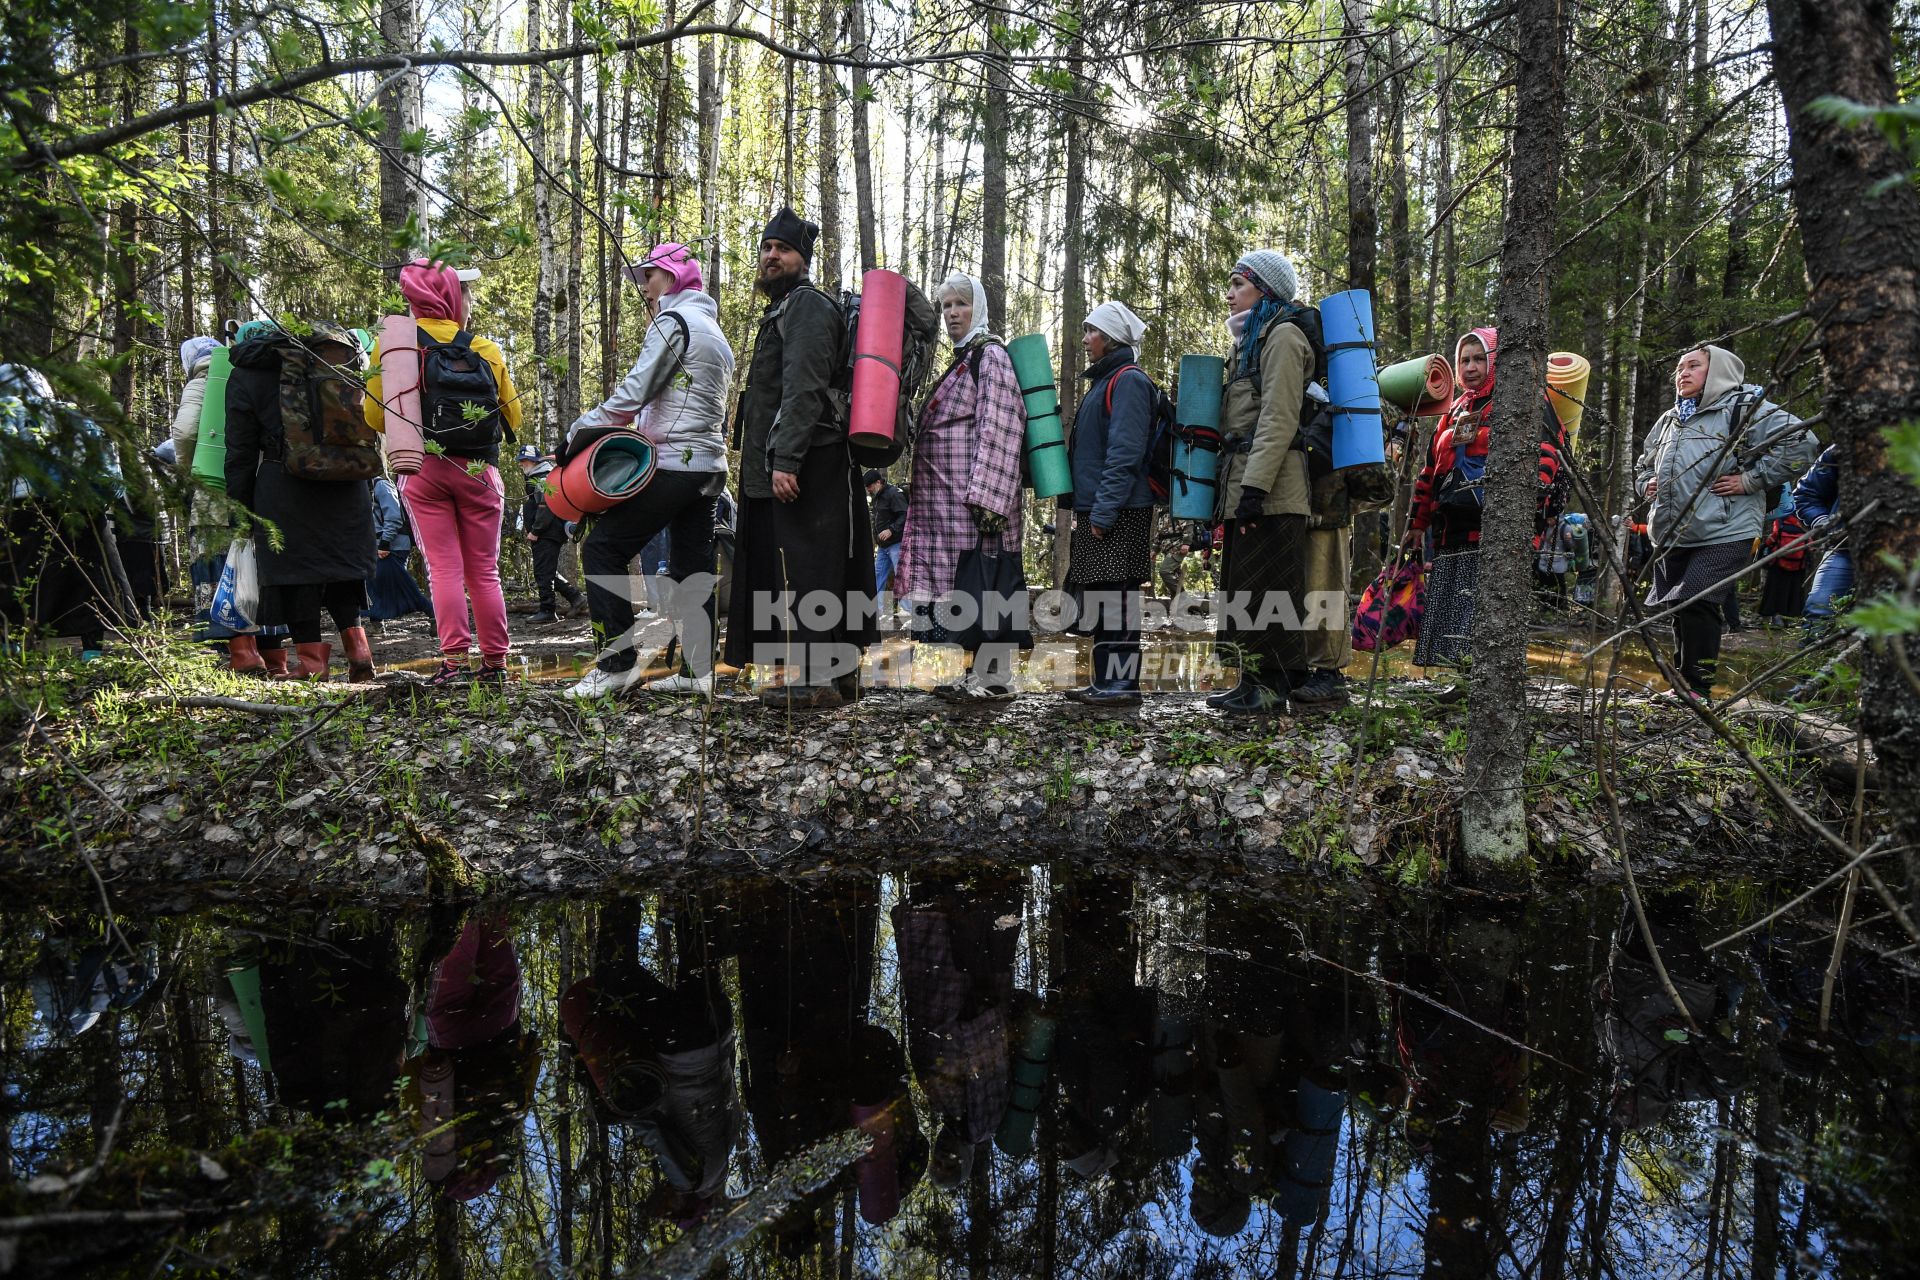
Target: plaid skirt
x=1124 y=555
x=1446 y=628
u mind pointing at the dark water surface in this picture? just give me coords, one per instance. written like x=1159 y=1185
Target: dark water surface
x=1052 y=1072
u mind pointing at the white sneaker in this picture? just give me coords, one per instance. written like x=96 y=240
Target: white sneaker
x=702 y=685
x=599 y=683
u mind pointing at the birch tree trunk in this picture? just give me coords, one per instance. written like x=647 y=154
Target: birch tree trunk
x=1401 y=241
x=570 y=309
x=1493 y=816
x=993 y=193
x=1860 y=224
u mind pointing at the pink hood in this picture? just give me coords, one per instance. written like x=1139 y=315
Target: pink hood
x=432 y=291
x=676 y=260
x=1490 y=339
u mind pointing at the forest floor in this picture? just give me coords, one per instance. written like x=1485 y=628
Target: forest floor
x=159 y=769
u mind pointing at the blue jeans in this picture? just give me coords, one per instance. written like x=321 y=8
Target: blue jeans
x=1833 y=580
x=885 y=560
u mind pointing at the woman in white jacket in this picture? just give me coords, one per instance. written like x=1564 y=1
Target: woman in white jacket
x=676 y=396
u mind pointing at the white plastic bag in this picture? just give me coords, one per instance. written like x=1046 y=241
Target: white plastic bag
x=237 y=598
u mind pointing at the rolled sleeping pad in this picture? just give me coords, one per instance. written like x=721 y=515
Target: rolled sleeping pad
x=878 y=342
x=1346 y=326
x=1196 y=440
x=1567 y=375
x=399 y=359
x=1027 y=1091
x=1422 y=386
x=245 y=983
x=1046 y=435
x=604 y=474
x=210 y=446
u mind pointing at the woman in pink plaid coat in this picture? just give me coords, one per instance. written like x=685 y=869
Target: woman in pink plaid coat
x=966 y=478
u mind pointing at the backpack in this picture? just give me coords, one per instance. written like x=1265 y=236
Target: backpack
x=324 y=431
x=1368 y=486
x=1161 y=433
x=1464 y=488
x=922 y=331
x=459 y=400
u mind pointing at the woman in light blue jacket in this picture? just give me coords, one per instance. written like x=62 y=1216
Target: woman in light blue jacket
x=1707 y=466
x=391 y=591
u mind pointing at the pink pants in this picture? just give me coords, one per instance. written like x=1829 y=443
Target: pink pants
x=457 y=518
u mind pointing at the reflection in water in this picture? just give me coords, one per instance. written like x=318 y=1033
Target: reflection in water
x=1059 y=1072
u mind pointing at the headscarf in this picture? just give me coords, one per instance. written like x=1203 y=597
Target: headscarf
x=1489 y=338
x=676 y=260
x=1118 y=322
x=432 y=291
x=196 y=349
x=970 y=286
x=1470 y=409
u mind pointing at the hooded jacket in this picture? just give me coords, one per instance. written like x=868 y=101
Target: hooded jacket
x=1736 y=428
x=676 y=393
x=536 y=517
x=326 y=526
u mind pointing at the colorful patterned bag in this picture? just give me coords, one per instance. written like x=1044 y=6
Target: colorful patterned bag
x=1390 y=609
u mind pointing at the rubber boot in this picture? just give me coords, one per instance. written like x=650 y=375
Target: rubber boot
x=359 y=654
x=312 y=661
x=276 y=660
x=243 y=655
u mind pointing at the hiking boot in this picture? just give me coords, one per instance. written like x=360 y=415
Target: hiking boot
x=543 y=617
x=359 y=654
x=1255 y=699
x=1220 y=697
x=981 y=691
x=493 y=677
x=681 y=684
x=803 y=697
x=452 y=671
x=960 y=690
x=243 y=655
x=1322 y=691
x=601 y=683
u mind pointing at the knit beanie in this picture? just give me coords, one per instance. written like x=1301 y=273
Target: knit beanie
x=1272 y=271
x=789 y=227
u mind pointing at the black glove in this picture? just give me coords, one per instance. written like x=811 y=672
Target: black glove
x=1248 y=513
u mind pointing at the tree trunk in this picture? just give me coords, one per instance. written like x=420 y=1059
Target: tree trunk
x=1699 y=106
x=401 y=195
x=1074 y=299
x=662 y=131
x=1401 y=239
x=1860 y=226
x=547 y=268
x=1441 y=274
x=863 y=142
x=826 y=261
x=792 y=27
x=124 y=294
x=569 y=308
x=1363 y=225
x=993 y=193
x=1493 y=819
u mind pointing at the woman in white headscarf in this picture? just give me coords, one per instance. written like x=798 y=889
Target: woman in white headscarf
x=966 y=476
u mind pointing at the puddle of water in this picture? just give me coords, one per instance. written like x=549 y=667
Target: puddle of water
x=1060 y=1074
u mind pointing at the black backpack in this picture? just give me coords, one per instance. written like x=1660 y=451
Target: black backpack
x=1161 y=433
x=1368 y=485
x=922 y=334
x=459 y=399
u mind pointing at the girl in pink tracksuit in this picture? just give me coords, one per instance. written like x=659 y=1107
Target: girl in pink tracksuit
x=457 y=500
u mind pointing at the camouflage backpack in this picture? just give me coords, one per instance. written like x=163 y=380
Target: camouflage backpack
x=322 y=408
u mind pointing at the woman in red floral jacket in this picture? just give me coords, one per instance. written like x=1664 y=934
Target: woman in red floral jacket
x=1450 y=494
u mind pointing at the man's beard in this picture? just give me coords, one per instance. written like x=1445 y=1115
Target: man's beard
x=779 y=286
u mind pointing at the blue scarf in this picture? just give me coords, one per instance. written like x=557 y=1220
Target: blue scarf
x=1263 y=311
x=1685 y=407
